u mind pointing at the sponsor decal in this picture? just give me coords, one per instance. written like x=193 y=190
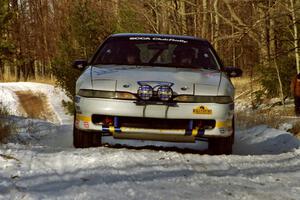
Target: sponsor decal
x=224 y=124
x=86 y=125
x=139 y=38
x=83 y=118
x=202 y=110
x=169 y=40
x=159 y=39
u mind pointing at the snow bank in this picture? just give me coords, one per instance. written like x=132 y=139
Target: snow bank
x=55 y=97
x=9 y=100
x=263 y=140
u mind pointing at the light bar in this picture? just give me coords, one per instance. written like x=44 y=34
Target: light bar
x=145 y=92
x=164 y=93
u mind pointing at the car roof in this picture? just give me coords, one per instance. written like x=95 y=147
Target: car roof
x=182 y=37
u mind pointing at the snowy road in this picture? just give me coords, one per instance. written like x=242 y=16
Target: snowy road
x=40 y=163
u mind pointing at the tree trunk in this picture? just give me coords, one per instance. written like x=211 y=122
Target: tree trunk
x=264 y=45
x=294 y=19
x=18 y=73
x=31 y=69
x=217 y=25
x=280 y=82
x=196 y=17
x=182 y=13
x=163 y=17
x=233 y=48
x=1 y=70
x=273 y=49
x=204 y=20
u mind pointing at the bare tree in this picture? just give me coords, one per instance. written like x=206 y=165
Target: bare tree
x=295 y=34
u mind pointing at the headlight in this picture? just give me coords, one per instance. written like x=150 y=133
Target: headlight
x=145 y=92
x=106 y=94
x=204 y=99
x=164 y=93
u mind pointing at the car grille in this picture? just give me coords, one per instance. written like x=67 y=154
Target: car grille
x=153 y=123
x=157 y=123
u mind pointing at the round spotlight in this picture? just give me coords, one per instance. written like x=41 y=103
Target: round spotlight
x=145 y=92
x=164 y=93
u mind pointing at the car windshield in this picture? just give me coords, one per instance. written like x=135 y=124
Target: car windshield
x=156 y=51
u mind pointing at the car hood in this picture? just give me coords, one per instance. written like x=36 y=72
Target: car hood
x=129 y=78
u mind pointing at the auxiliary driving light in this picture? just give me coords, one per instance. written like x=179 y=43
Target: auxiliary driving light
x=164 y=93
x=145 y=92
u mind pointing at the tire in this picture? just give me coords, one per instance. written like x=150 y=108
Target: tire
x=219 y=146
x=84 y=139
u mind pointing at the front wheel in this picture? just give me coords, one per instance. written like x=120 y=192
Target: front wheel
x=84 y=139
x=218 y=146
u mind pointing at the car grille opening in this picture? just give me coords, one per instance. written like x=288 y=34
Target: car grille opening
x=103 y=120
x=154 y=123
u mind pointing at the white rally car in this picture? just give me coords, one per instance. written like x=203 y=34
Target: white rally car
x=155 y=87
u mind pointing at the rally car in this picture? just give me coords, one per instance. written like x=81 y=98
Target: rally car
x=155 y=87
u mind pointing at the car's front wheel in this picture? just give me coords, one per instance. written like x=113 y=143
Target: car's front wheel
x=85 y=139
x=218 y=146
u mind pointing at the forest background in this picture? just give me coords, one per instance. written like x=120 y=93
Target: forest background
x=39 y=39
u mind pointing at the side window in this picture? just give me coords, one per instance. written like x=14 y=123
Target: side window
x=107 y=54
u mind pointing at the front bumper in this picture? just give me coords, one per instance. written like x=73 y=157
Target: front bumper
x=221 y=114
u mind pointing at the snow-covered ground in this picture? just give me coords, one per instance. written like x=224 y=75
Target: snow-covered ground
x=39 y=162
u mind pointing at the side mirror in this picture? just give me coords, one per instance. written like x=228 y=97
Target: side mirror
x=233 y=71
x=79 y=64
